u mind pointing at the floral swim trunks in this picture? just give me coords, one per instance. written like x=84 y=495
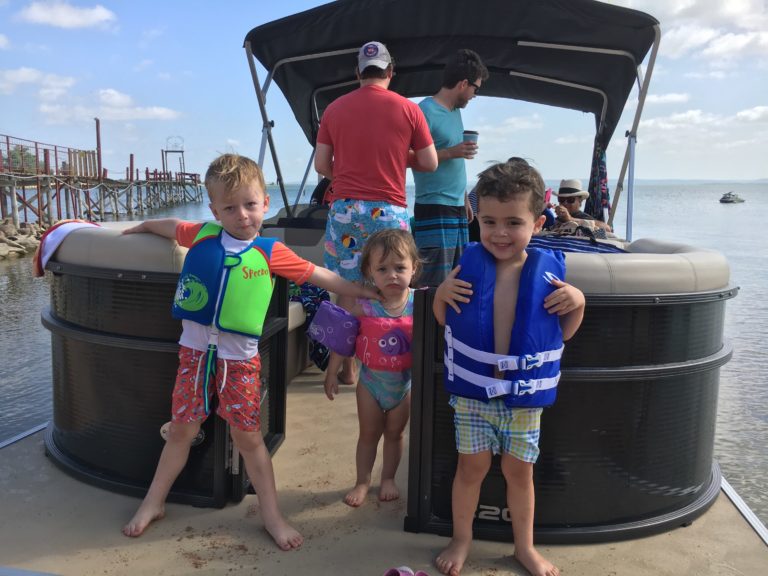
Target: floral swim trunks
x=239 y=398
x=350 y=223
x=482 y=426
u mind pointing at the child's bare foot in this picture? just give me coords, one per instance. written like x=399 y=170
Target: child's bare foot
x=451 y=560
x=535 y=563
x=388 y=490
x=145 y=515
x=285 y=536
x=356 y=496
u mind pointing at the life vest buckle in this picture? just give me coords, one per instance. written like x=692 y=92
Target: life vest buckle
x=531 y=361
x=449 y=351
x=523 y=387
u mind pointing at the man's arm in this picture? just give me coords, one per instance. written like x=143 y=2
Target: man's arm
x=424 y=160
x=324 y=160
x=465 y=150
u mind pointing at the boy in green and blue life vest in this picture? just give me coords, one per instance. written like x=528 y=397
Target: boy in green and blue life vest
x=496 y=399
x=222 y=298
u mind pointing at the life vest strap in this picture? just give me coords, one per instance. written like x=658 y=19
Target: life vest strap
x=500 y=361
x=495 y=387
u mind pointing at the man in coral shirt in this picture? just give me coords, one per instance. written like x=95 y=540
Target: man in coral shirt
x=366 y=141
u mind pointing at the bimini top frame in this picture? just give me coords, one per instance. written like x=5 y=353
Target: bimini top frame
x=577 y=54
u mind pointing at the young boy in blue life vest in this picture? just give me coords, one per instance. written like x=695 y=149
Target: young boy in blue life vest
x=507 y=312
x=222 y=297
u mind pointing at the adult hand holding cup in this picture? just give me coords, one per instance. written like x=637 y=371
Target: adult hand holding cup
x=470 y=143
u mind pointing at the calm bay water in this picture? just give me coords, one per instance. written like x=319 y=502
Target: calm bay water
x=675 y=211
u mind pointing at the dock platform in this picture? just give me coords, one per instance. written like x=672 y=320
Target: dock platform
x=55 y=524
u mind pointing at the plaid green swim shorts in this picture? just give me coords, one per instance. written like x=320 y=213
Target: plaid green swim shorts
x=482 y=426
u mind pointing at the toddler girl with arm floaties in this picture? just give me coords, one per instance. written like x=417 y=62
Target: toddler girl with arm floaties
x=383 y=344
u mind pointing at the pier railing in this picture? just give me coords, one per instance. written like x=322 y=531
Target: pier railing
x=44 y=183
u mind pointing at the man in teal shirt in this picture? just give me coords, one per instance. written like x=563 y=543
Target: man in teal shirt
x=442 y=211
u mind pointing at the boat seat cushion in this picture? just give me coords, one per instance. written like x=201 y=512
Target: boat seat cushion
x=296 y=315
x=648 y=267
x=106 y=247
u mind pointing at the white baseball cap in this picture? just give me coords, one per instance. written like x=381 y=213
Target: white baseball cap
x=373 y=54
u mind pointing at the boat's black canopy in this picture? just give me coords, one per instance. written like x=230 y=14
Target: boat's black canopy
x=589 y=64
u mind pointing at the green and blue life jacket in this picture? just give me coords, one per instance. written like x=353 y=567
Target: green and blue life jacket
x=228 y=291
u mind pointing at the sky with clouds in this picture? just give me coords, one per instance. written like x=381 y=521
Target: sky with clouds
x=160 y=74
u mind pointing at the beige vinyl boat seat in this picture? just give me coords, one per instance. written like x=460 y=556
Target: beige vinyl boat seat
x=106 y=247
x=649 y=267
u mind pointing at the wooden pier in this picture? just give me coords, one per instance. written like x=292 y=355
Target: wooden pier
x=44 y=183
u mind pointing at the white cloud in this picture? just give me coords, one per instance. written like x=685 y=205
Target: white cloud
x=745 y=14
x=63 y=15
x=112 y=105
x=143 y=65
x=113 y=98
x=52 y=86
x=671 y=98
x=510 y=125
x=118 y=106
x=574 y=140
x=60 y=114
x=138 y=113
x=710 y=75
x=713 y=30
x=4 y=42
x=11 y=79
x=756 y=114
x=732 y=144
x=688 y=119
x=695 y=135
x=55 y=86
x=733 y=45
x=679 y=42
x=232 y=142
x=149 y=36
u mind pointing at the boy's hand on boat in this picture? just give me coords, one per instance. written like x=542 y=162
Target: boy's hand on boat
x=135 y=229
x=453 y=291
x=564 y=299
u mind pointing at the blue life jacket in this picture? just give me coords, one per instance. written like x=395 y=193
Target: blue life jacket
x=531 y=369
x=233 y=291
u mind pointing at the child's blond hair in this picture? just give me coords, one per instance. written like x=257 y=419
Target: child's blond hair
x=392 y=240
x=233 y=171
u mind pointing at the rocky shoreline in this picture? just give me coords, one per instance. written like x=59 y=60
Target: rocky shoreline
x=21 y=241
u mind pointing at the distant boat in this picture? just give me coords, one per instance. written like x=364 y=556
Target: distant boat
x=731 y=198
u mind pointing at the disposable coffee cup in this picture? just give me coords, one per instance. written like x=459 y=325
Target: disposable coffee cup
x=470 y=135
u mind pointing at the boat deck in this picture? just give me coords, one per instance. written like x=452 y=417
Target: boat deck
x=54 y=524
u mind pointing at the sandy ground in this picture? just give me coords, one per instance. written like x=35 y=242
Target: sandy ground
x=53 y=523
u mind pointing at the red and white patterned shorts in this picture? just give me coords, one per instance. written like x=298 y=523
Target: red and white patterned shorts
x=239 y=400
